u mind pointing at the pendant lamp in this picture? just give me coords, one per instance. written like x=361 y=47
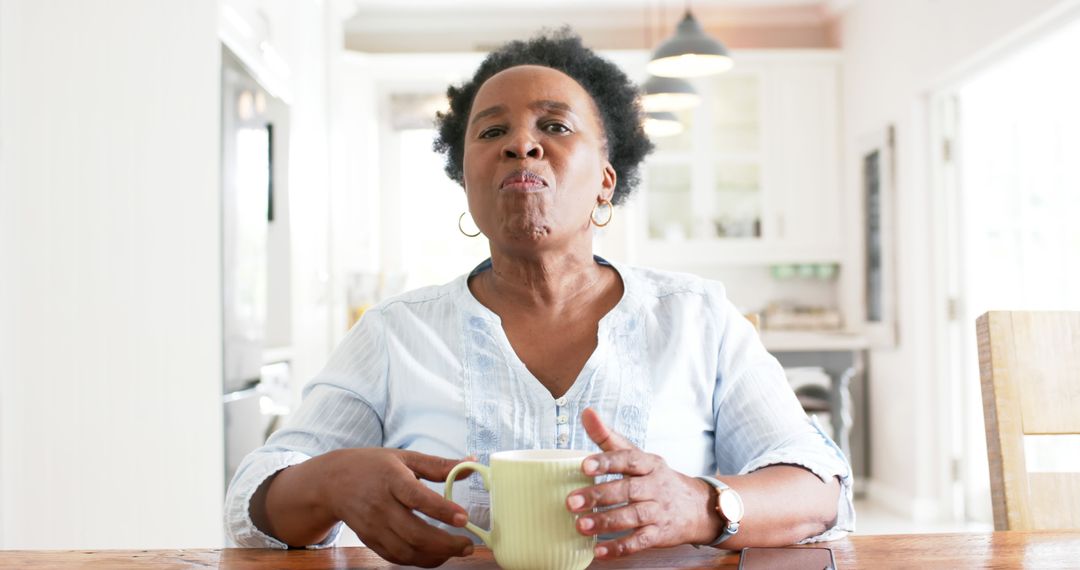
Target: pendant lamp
x=662 y=124
x=668 y=94
x=689 y=53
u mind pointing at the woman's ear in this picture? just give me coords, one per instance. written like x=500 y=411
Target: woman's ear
x=610 y=178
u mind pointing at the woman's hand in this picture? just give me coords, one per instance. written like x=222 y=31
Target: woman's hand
x=373 y=491
x=661 y=506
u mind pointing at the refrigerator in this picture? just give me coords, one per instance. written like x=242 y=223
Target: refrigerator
x=254 y=137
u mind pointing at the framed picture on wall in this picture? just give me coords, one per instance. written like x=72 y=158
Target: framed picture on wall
x=877 y=160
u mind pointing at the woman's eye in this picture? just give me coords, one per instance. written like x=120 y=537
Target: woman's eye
x=491 y=132
x=557 y=128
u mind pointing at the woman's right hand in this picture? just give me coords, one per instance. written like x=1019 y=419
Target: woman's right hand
x=375 y=490
x=372 y=490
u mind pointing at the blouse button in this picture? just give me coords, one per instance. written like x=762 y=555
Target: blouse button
x=563 y=438
x=561 y=401
x=561 y=420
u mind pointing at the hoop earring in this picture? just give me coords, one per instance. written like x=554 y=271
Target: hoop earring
x=610 y=210
x=462 y=230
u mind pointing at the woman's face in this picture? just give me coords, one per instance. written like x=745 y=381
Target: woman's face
x=535 y=159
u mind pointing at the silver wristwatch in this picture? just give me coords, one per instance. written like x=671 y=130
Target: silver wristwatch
x=730 y=506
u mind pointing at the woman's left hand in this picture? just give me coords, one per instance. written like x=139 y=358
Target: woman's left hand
x=661 y=506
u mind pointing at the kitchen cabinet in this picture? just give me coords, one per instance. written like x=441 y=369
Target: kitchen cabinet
x=754 y=178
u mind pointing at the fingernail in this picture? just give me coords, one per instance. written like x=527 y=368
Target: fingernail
x=460 y=520
x=590 y=465
x=600 y=551
x=467 y=551
x=576 y=501
x=586 y=523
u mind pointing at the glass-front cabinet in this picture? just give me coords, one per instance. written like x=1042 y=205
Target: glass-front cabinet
x=717 y=194
x=754 y=177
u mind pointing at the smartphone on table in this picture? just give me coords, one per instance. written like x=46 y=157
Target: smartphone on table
x=786 y=558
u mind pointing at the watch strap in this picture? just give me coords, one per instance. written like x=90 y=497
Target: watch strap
x=730 y=528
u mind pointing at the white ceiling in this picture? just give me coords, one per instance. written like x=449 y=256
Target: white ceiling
x=479 y=25
x=571 y=4
x=415 y=5
x=409 y=16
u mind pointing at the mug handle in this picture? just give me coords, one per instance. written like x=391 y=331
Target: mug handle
x=448 y=493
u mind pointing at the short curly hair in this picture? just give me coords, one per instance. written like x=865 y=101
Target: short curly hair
x=615 y=95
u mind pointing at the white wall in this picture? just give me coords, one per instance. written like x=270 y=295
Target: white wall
x=110 y=312
x=895 y=53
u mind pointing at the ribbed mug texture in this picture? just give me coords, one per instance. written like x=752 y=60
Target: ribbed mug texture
x=531 y=527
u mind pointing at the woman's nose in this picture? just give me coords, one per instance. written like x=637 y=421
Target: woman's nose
x=522 y=146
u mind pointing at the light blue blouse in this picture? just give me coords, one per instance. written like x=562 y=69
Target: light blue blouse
x=677 y=370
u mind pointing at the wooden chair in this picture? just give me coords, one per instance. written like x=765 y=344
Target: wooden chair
x=755 y=319
x=1029 y=363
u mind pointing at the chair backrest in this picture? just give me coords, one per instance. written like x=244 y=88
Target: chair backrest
x=1029 y=363
x=755 y=319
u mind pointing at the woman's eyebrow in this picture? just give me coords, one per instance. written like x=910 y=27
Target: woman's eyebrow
x=543 y=104
x=487 y=113
x=547 y=105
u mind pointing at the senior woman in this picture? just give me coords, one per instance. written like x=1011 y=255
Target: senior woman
x=669 y=381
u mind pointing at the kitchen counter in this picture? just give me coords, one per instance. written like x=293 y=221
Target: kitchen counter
x=812 y=341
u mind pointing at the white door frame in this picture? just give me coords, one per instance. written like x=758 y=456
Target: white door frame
x=944 y=141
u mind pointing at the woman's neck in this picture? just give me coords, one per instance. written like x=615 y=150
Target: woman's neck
x=549 y=280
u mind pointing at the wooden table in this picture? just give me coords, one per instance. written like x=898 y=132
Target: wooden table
x=1049 y=549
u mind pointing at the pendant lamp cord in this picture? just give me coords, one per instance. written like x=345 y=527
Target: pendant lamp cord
x=645 y=35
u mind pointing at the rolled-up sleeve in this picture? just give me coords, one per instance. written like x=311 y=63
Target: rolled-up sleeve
x=342 y=407
x=759 y=421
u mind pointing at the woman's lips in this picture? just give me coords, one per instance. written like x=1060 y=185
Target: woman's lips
x=523 y=181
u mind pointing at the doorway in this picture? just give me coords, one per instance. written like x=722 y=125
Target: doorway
x=1010 y=170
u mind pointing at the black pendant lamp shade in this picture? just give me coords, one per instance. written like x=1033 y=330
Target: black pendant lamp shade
x=689 y=53
x=668 y=94
x=662 y=124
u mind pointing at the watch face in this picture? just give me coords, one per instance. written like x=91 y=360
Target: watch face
x=731 y=505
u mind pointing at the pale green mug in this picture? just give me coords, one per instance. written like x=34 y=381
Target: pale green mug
x=530 y=525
